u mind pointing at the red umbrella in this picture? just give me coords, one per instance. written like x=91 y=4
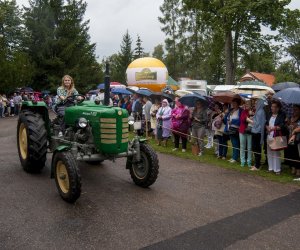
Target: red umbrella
x=226 y=97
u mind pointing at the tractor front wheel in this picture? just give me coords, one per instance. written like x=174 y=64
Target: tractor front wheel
x=67 y=176
x=145 y=172
x=32 y=141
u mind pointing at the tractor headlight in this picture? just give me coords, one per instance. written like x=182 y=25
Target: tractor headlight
x=131 y=120
x=82 y=122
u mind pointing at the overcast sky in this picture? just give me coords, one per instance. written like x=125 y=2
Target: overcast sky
x=109 y=20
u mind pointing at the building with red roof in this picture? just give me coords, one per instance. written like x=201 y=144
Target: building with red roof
x=268 y=79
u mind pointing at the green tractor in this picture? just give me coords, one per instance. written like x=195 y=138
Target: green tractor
x=93 y=133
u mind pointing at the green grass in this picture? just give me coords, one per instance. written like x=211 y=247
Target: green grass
x=210 y=158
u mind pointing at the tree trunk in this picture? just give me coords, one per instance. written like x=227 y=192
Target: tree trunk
x=229 y=59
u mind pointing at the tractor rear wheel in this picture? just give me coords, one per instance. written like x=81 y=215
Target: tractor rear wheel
x=32 y=141
x=67 y=176
x=145 y=172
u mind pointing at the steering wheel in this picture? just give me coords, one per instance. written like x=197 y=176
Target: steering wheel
x=74 y=99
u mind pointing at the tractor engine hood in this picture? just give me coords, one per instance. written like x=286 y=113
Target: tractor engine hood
x=109 y=125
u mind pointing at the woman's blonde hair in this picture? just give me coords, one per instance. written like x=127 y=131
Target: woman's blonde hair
x=72 y=82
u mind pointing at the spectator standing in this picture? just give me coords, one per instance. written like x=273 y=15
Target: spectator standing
x=245 y=135
x=153 y=111
x=199 y=122
x=1 y=106
x=126 y=104
x=180 y=125
x=146 y=108
x=232 y=124
x=218 y=126
x=12 y=106
x=163 y=117
x=258 y=129
x=5 y=104
x=292 y=150
x=17 y=102
x=275 y=126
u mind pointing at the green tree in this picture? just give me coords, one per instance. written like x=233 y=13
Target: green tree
x=58 y=43
x=124 y=58
x=239 y=22
x=158 y=52
x=15 y=66
x=139 y=50
x=287 y=72
x=291 y=35
x=171 y=17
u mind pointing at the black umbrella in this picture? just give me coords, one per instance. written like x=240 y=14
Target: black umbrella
x=289 y=96
x=160 y=95
x=284 y=85
x=26 y=89
x=191 y=99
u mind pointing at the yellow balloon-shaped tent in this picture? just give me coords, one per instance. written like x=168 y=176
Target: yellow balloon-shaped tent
x=147 y=72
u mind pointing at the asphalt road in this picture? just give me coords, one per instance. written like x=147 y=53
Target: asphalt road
x=191 y=206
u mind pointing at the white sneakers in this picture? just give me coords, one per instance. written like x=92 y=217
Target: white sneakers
x=60 y=134
x=232 y=161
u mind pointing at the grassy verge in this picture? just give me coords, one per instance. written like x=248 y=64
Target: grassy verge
x=210 y=158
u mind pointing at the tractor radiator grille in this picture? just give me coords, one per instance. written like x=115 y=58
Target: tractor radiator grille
x=108 y=127
x=125 y=132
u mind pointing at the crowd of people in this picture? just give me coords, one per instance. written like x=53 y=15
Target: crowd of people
x=249 y=125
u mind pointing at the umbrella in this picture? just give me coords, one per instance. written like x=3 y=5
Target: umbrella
x=191 y=99
x=46 y=92
x=289 y=96
x=93 y=92
x=255 y=83
x=121 y=91
x=253 y=89
x=226 y=97
x=160 y=95
x=144 y=92
x=211 y=102
x=284 y=85
x=101 y=86
x=26 y=89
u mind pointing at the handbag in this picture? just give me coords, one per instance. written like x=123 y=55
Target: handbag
x=248 y=130
x=195 y=149
x=277 y=143
x=233 y=131
x=137 y=124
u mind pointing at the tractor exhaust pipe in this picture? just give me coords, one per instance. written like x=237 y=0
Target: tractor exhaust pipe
x=106 y=85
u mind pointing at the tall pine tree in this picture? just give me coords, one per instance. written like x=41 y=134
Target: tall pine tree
x=139 y=50
x=124 y=58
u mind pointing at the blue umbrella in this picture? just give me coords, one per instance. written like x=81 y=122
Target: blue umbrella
x=191 y=99
x=289 y=96
x=121 y=91
x=93 y=92
x=101 y=86
x=284 y=85
x=144 y=92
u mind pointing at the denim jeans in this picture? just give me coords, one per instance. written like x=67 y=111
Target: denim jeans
x=222 y=140
x=246 y=140
x=236 y=145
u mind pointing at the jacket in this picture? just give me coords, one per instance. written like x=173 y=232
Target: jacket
x=279 y=121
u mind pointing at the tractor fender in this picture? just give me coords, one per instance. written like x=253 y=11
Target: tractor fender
x=60 y=148
x=142 y=140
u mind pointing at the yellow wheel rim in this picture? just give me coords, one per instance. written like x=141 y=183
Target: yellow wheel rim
x=23 y=144
x=62 y=177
